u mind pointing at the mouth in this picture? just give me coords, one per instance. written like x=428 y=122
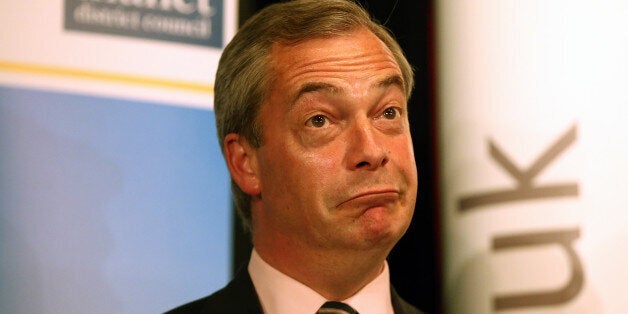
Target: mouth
x=372 y=198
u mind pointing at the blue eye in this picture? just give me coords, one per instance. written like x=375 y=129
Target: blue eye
x=318 y=121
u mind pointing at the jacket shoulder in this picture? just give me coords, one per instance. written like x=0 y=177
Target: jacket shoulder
x=400 y=305
x=238 y=297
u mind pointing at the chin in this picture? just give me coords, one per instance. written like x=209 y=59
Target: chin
x=382 y=233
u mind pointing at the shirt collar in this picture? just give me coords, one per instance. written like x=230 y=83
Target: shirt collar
x=281 y=294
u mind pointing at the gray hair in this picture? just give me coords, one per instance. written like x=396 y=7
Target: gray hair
x=243 y=77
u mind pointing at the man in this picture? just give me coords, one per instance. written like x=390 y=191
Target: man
x=311 y=109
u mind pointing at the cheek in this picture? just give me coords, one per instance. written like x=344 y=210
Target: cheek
x=317 y=171
x=403 y=153
x=320 y=177
x=402 y=148
x=301 y=172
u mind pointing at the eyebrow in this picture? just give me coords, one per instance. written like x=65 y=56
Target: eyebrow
x=392 y=80
x=316 y=87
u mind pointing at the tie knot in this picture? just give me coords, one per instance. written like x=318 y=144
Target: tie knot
x=335 y=307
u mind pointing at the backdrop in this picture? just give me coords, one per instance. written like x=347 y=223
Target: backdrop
x=114 y=197
x=533 y=129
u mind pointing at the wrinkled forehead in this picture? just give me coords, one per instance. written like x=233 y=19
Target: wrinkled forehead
x=358 y=50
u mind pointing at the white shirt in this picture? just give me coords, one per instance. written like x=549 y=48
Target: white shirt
x=281 y=294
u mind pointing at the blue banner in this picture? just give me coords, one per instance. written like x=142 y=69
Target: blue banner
x=108 y=205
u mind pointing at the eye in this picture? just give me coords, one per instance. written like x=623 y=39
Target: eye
x=390 y=113
x=317 y=121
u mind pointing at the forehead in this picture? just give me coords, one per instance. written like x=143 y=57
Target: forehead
x=354 y=55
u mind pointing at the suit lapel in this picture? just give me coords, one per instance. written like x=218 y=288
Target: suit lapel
x=400 y=306
x=238 y=297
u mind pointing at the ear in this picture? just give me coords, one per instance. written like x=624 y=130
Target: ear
x=242 y=162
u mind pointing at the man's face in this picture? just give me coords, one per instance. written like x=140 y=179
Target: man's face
x=336 y=167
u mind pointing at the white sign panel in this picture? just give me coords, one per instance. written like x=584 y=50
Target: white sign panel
x=533 y=118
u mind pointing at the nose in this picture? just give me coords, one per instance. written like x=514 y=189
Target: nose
x=366 y=147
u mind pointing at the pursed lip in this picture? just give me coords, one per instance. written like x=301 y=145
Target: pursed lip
x=376 y=197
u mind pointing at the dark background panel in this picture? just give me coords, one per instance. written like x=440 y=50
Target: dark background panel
x=415 y=260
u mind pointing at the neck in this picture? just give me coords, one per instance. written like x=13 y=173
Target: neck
x=335 y=275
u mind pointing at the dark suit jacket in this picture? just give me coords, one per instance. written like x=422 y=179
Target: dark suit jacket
x=239 y=297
